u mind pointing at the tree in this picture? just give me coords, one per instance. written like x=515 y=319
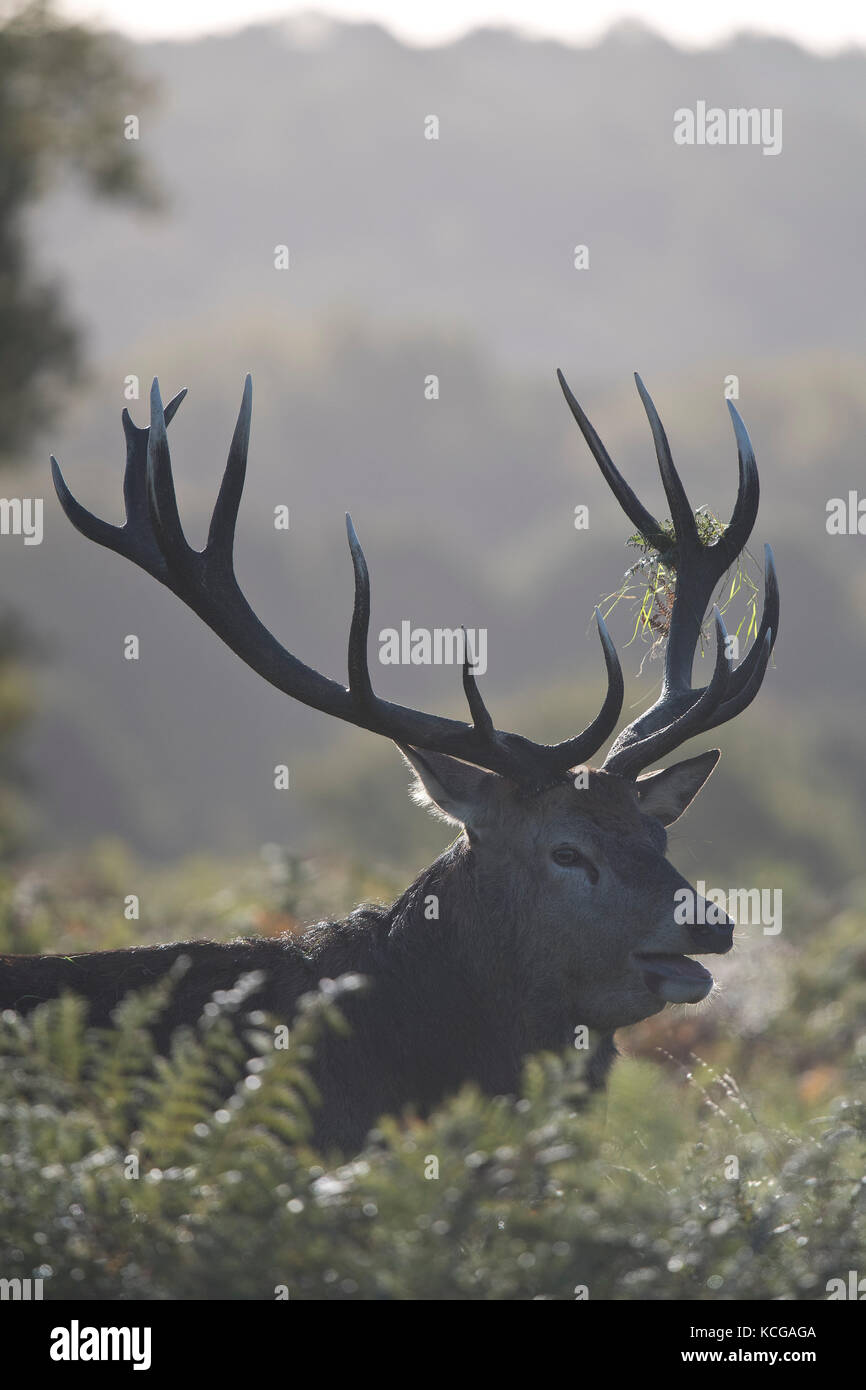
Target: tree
x=64 y=93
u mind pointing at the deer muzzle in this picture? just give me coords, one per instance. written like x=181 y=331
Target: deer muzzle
x=674 y=978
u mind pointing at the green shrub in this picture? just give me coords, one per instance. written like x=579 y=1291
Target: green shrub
x=129 y=1175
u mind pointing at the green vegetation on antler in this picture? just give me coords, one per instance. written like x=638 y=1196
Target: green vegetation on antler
x=648 y=585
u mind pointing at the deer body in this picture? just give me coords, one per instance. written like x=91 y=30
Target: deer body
x=552 y=911
x=431 y=1017
x=511 y=963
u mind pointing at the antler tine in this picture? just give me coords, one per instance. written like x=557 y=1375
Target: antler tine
x=93 y=527
x=164 y=515
x=682 y=515
x=633 y=508
x=360 y=685
x=507 y=753
x=134 y=539
x=221 y=535
x=560 y=757
x=576 y=750
x=769 y=624
x=740 y=699
x=481 y=718
x=745 y=512
x=135 y=473
x=630 y=756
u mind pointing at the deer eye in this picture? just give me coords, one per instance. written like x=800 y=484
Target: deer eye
x=567 y=857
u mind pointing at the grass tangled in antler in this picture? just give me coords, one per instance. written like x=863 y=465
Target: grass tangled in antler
x=649 y=584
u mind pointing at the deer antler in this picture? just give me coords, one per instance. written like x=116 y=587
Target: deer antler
x=152 y=538
x=680 y=711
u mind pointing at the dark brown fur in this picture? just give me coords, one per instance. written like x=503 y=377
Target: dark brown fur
x=437 y=1011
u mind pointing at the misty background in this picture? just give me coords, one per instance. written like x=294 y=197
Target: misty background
x=454 y=257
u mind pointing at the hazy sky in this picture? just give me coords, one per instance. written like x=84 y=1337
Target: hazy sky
x=827 y=25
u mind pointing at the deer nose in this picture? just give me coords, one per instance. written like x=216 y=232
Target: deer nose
x=703 y=922
x=715 y=937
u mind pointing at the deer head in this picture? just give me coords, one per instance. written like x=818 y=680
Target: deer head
x=562 y=878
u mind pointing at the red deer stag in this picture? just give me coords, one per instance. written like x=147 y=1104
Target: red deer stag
x=556 y=904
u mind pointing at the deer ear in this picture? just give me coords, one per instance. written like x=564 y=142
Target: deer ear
x=458 y=791
x=667 y=793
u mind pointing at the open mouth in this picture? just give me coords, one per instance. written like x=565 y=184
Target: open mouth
x=676 y=979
